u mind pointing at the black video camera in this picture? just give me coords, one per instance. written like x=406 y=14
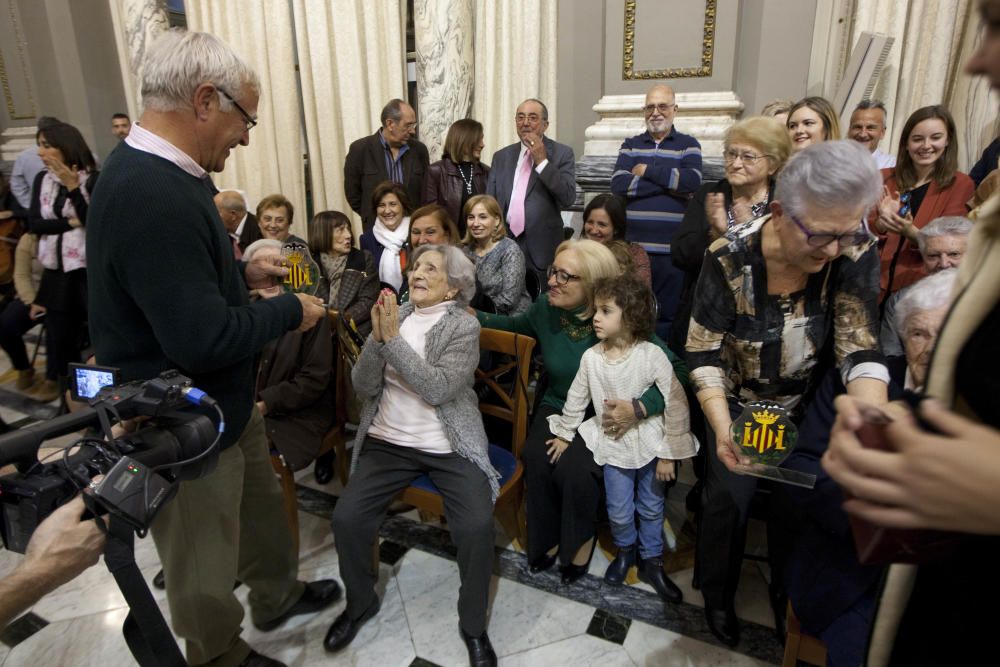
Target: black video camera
x=141 y=469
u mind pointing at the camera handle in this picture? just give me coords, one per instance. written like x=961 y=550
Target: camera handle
x=146 y=631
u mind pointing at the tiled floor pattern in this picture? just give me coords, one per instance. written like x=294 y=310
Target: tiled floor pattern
x=534 y=619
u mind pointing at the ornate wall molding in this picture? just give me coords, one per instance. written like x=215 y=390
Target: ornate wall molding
x=22 y=59
x=707 y=49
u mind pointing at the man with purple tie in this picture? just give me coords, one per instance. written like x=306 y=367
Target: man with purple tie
x=533 y=180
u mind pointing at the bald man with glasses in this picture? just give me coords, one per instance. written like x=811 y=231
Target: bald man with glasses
x=656 y=173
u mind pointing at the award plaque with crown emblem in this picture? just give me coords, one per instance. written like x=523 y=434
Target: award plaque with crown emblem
x=764 y=434
x=303 y=272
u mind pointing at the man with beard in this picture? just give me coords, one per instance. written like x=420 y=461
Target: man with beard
x=657 y=172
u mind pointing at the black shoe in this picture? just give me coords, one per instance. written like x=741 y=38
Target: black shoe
x=571 y=573
x=481 y=653
x=619 y=567
x=159 y=581
x=344 y=628
x=723 y=625
x=651 y=572
x=257 y=660
x=323 y=468
x=541 y=564
x=317 y=595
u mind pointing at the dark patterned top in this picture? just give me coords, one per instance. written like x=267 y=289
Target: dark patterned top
x=754 y=345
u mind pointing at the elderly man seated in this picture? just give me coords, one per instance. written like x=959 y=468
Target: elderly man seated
x=942 y=246
x=833 y=594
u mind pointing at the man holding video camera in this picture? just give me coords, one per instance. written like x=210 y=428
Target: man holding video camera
x=166 y=292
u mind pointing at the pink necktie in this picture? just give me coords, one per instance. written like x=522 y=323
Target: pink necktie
x=515 y=214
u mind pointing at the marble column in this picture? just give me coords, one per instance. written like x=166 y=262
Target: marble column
x=445 y=67
x=137 y=24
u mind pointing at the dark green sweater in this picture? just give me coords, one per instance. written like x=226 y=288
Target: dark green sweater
x=165 y=291
x=563 y=338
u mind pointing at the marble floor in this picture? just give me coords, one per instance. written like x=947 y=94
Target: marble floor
x=534 y=619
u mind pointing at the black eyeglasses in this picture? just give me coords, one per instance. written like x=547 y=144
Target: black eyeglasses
x=561 y=276
x=247 y=118
x=847 y=240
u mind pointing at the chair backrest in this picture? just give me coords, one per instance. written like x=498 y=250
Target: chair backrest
x=508 y=395
x=348 y=343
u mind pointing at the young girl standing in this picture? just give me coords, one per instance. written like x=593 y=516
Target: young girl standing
x=639 y=462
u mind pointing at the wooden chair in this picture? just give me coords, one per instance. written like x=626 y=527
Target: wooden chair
x=335 y=439
x=801 y=647
x=507 y=404
x=347 y=346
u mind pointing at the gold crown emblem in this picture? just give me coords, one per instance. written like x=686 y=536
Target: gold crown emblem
x=766 y=417
x=294 y=257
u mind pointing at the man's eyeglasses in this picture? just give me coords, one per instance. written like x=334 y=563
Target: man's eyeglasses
x=662 y=108
x=748 y=159
x=561 y=276
x=531 y=118
x=250 y=121
x=847 y=240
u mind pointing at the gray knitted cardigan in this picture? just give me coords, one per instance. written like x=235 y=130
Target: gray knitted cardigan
x=443 y=378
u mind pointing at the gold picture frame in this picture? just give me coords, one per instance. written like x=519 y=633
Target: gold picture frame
x=707 y=49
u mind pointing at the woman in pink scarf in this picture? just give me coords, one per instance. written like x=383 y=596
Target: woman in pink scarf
x=58 y=213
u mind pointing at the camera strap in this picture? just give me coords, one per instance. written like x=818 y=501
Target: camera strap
x=146 y=631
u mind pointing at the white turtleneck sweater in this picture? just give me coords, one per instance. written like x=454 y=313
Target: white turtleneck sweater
x=403 y=418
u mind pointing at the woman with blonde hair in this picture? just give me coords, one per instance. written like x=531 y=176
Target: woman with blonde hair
x=755 y=151
x=499 y=262
x=459 y=174
x=564 y=492
x=812 y=120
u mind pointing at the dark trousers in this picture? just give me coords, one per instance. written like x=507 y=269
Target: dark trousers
x=668 y=285
x=563 y=498
x=63 y=332
x=14 y=323
x=722 y=534
x=383 y=471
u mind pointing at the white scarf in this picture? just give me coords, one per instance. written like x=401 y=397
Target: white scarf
x=389 y=270
x=74 y=255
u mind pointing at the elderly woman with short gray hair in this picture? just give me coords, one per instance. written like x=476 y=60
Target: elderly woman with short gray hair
x=420 y=416
x=771 y=296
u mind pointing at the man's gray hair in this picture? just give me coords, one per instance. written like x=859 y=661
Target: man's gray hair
x=949 y=225
x=928 y=293
x=459 y=269
x=393 y=111
x=545 y=109
x=829 y=175
x=258 y=245
x=179 y=61
x=866 y=104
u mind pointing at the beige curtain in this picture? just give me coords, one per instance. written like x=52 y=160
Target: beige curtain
x=934 y=39
x=262 y=33
x=352 y=61
x=515 y=52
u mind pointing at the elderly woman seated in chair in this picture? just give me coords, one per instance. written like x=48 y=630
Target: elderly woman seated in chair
x=415 y=375
x=294 y=381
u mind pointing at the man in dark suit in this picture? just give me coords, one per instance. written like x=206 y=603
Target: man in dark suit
x=240 y=224
x=391 y=154
x=533 y=180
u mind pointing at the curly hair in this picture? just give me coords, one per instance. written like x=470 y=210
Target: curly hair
x=635 y=299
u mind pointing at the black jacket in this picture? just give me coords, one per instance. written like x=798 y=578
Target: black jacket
x=364 y=168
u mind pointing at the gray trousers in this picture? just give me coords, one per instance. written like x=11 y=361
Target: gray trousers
x=227 y=525
x=383 y=471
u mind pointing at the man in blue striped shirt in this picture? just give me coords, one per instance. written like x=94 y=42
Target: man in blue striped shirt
x=657 y=172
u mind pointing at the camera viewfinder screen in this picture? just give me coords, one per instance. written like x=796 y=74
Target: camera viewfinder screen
x=90 y=380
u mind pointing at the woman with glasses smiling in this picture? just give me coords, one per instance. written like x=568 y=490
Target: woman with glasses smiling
x=772 y=297
x=755 y=151
x=564 y=491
